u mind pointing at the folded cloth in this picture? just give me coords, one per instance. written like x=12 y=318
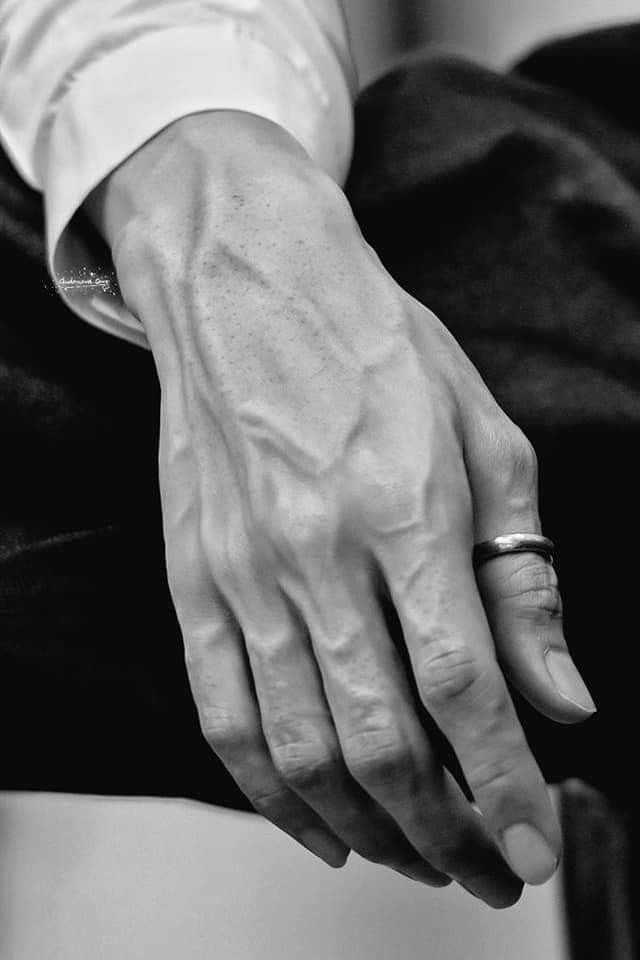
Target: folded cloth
x=510 y=205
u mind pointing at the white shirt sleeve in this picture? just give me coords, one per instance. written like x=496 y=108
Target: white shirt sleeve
x=84 y=83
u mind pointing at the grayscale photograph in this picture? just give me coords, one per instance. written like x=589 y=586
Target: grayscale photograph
x=319 y=406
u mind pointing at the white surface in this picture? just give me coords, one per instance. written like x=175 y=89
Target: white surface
x=498 y=31
x=493 y=32
x=110 y=879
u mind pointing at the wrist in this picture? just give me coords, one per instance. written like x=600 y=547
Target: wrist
x=228 y=146
x=205 y=195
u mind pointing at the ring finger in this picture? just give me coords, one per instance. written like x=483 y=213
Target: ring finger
x=300 y=734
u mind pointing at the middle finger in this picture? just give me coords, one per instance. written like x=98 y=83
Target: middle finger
x=383 y=743
x=298 y=728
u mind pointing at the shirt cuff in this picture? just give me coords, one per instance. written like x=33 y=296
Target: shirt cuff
x=129 y=94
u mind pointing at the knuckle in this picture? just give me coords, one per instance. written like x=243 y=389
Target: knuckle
x=188 y=578
x=447 y=672
x=270 y=652
x=300 y=528
x=532 y=584
x=389 y=495
x=380 y=758
x=452 y=853
x=449 y=847
x=495 y=775
x=514 y=463
x=341 y=648
x=305 y=767
x=381 y=480
x=225 y=733
x=271 y=802
x=231 y=562
x=204 y=632
x=389 y=503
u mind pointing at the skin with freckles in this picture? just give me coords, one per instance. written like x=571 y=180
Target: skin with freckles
x=324 y=437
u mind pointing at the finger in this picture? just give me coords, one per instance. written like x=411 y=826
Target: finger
x=299 y=730
x=524 y=608
x=216 y=661
x=427 y=566
x=520 y=591
x=230 y=722
x=383 y=744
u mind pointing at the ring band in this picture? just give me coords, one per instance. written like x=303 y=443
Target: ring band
x=513 y=543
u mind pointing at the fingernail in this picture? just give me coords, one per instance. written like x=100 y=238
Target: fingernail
x=568 y=681
x=529 y=854
x=328 y=848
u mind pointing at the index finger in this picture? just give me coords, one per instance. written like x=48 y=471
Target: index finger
x=431 y=581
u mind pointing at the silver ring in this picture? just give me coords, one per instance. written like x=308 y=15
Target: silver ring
x=513 y=543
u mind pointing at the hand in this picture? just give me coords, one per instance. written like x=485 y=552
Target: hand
x=324 y=440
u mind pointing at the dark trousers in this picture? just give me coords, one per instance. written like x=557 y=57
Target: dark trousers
x=510 y=205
